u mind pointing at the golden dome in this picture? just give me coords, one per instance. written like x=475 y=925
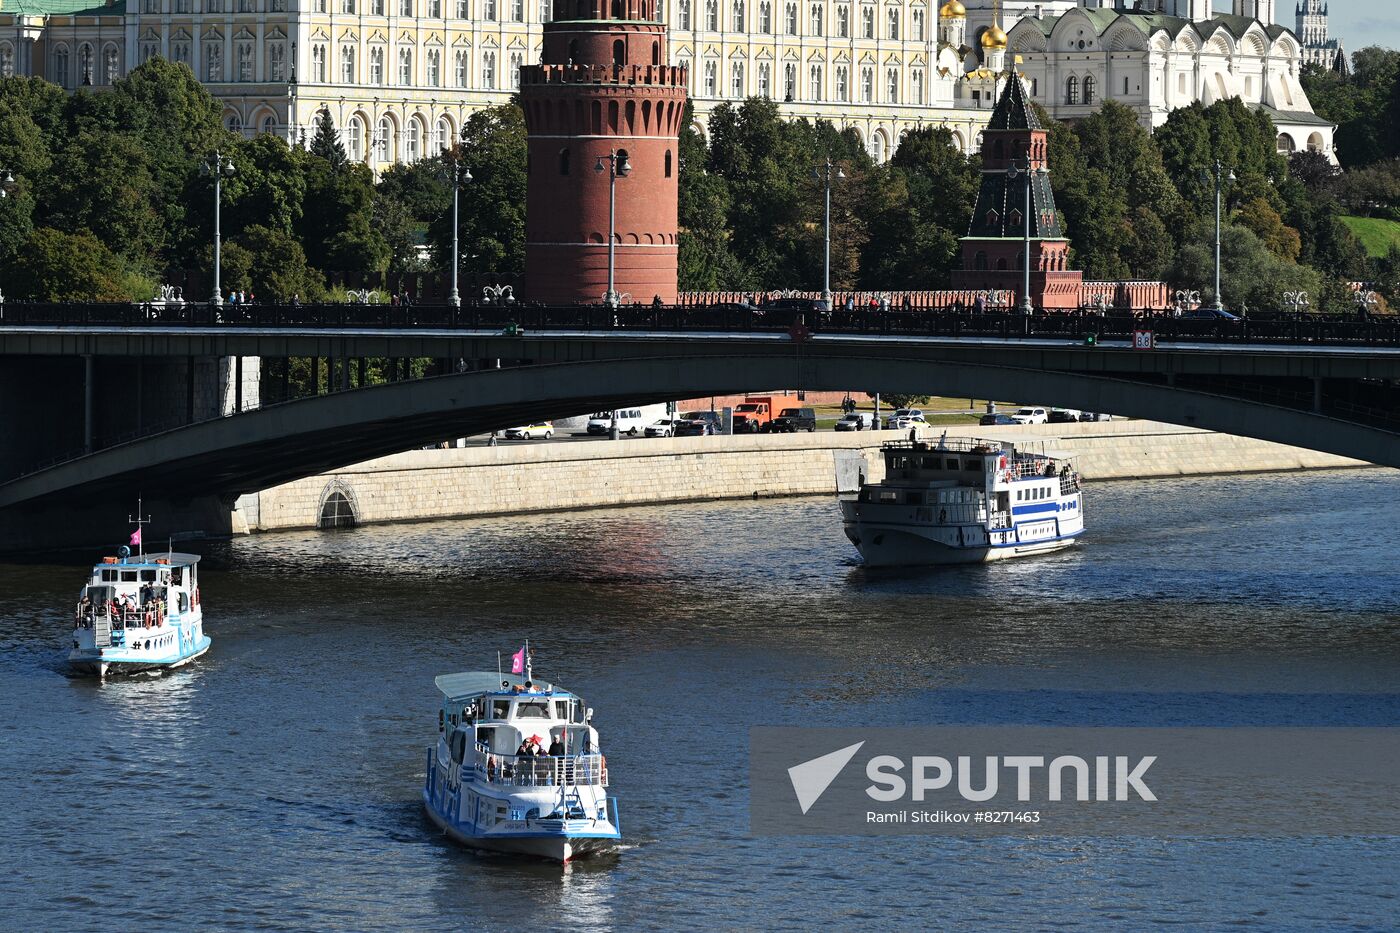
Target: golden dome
x=953 y=9
x=994 y=38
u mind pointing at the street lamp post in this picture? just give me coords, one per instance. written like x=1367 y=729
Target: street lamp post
x=826 y=174
x=459 y=175
x=1220 y=178
x=617 y=166
x=1013 y=172
x=218 y=166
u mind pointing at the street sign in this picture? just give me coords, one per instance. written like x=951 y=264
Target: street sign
x=1144 y=340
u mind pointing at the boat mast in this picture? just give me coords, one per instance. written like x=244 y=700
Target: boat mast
x=138 y=521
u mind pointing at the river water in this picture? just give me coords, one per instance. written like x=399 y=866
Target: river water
x=274 y=783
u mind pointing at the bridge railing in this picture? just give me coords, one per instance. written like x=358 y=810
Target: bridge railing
x=1280 y=327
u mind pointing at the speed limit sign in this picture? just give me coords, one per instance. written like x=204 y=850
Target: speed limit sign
x=1144 y=340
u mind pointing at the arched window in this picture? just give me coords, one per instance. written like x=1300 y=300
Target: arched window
x=355 y=139
x=1072 y=90
x=668 y=163
x=619 y=52
x=656 y=53
x=60 y=65
x=817 y=19
x=434 y=68
x=564 y=161
x=337 y=511
x=765 y=16
x=85 y=65
x=1089 y=89
x=269 y=125
x=791 y=19
x=442 y=134
x=7 y=61
x=235 y=123
x=892 y=23
x=412 y=141
x=384 y=141
x=789 y=82
x=738 y=13
x=979 y=261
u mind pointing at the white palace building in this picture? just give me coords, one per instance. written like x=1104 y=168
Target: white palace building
x=399 y=77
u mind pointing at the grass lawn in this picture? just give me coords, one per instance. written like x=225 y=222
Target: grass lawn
x=1377 y=235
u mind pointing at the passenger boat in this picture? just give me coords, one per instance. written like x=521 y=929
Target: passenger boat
x=963 y=500
x=482 y=793
x=139 y=613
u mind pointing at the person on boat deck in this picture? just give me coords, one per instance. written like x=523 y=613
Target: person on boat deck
x=556 y=748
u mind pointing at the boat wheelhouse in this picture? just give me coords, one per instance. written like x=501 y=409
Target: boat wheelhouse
x=517 y=768
x=963 y=500
x=138 y=614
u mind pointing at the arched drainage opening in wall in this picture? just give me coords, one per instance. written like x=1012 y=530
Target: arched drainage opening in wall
x=337 y=509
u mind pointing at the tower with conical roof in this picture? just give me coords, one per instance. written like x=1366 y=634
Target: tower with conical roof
x=602 y=97
x=1015 y=158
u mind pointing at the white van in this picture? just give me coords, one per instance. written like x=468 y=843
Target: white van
x=857 y=421
x=631 y=422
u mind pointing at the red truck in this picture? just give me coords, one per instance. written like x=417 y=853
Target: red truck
x=755 y=414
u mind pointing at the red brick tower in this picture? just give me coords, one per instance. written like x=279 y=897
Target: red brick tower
x=1014 y=156
x=603 y=87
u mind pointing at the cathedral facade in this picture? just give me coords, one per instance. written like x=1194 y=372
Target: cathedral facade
x=400 y=77
x=1155 y=62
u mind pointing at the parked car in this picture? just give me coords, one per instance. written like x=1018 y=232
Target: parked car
x=857 y=421
x=1210 y=314
x=1063 y=416
x=1031 y=416
x=792 y=420
x=666 y=427
x=529 y=431
x=698 y=424
x=997 y=419
x=1094 y=416
x=905 y=418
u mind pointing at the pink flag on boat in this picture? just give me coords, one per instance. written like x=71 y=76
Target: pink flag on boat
x=517 y=662
x=135 y=538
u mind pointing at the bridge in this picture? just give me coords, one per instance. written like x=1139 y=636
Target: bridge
x=1332 y=386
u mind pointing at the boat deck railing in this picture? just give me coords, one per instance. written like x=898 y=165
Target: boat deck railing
x=541 y=770
x=957 y=445
x=152 y=615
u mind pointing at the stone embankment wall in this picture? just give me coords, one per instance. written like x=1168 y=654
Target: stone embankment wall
x=525 y=477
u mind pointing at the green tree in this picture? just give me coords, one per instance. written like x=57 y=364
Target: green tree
x=277 y=267
x=705 y=261
x=406 y=199
x=1279 y=238
x=1250 y=273
x=929 y=191
x=326 y=141
x=491 y=226
x=58 y=266
x=102 y=183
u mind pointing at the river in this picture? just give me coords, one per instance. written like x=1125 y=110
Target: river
x=274 y=783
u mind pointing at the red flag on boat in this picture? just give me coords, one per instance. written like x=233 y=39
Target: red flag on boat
x=135 y=538
x=517 y=662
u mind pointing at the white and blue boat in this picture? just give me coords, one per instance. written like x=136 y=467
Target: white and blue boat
x=486 y=787
x=962 y=501
x=139 y=613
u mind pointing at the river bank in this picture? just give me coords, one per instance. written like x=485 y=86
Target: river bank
x=524 y=478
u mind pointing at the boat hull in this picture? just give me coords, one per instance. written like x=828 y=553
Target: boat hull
x=887 y=546
x=561 y=847
x=110 y=663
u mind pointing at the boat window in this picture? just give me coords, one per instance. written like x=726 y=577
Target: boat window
x=148 y=576
x=932 y=463
x=561 y=709
x=916 y=498
x=889 y=495
x=184 y=602
x=532 y=709
x=500 y=709
x=109 y=576
x=973 y=463
x=128 y=576
x=952 y=463
x=177 y=576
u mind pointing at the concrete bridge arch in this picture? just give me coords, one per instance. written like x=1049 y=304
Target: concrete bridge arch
x=263 y=448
